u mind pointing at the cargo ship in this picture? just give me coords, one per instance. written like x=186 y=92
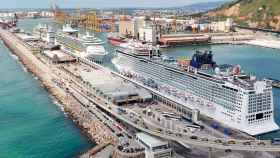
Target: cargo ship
x=224 y=93
x=8 y=22
x=115 y=40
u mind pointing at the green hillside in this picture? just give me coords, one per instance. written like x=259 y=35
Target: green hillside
x=254 y=13
x=271 y=7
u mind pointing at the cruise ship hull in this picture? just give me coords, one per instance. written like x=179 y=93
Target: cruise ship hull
x=99 y=58
x=71 y=45
x=177 y=82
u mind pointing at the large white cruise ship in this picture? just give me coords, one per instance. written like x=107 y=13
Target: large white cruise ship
x=86 y=46
x=232 y=98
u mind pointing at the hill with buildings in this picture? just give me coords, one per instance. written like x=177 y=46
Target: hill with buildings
x=252 y=13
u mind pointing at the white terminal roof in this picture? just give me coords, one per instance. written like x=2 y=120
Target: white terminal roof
x=111 y=85
x=27 y=37
x=55 y=52
x=150 y=141
x=61 y=55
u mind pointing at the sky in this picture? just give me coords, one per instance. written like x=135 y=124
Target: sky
x=96 y=3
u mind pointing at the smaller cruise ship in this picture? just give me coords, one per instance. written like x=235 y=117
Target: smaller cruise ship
x=90 y=39
x=86 y=46
x=39 y=29
x=45 y=33
x=95 y=53
x=136 y=48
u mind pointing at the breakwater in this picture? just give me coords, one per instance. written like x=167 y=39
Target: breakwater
x=79 y=114
x=33 y=124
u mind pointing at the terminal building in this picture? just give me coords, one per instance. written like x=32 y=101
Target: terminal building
x=115 y=89
x=154 y=147
x=57 y=56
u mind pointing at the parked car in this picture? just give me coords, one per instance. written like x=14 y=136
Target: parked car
x=218 y=141
x=194 y=137
x=231 y=142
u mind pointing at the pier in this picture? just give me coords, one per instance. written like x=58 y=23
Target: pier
x=186 y=138
x=87 y=105
x=257 y=29
x=180 y=39
x=95 y=150
x=209 y=38
x=212 y=142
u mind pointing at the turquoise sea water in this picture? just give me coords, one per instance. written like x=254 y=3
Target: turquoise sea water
x=31 y=125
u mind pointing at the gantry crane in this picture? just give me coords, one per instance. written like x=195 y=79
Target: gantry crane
x=88 y=20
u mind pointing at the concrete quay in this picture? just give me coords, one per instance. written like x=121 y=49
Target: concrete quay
x=267 y=43
x=239 y=144
x=209 y=38
x=230 y=38
x=212 y=142
x=110 y=108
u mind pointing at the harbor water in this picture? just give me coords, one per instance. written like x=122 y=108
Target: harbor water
x=31 y=123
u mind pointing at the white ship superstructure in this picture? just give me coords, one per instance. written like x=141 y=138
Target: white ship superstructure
x=238 y=101
x=45 y=33
x=39 y=29
x=136 y=48
x=87 y=46
x=89 y=40
x=95 y=53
